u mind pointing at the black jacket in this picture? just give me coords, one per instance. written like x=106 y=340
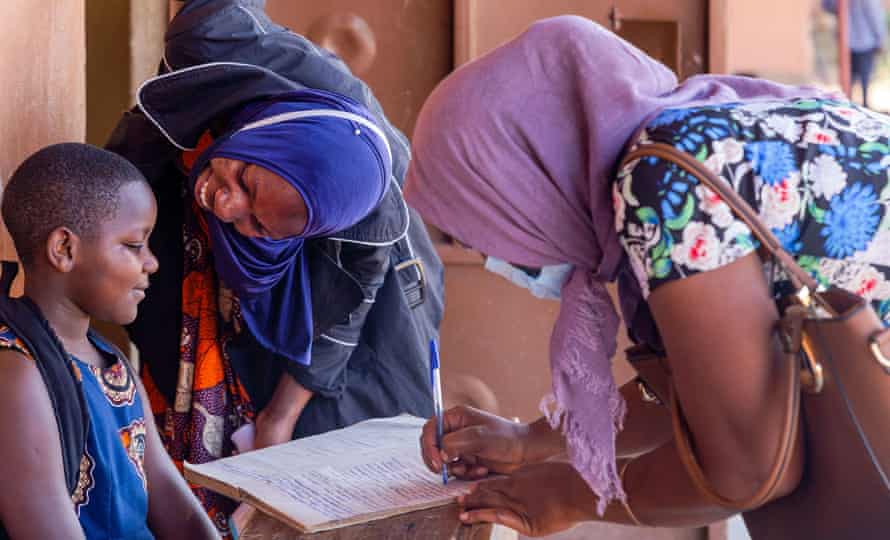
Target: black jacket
x=377 y=293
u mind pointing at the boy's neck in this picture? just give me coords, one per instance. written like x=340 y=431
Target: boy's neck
x=66 y=319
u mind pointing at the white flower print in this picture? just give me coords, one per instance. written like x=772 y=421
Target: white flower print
x=636 y=254
x=870 y=284
x=713 y=205
x=619 y=204
x=871 y=129
x=733 y=249
x=826 y=175
x=731 y=150
x=877 y=251
x=856 y=277
x=715 y=163
x=817 y=134
x=700 y=249
x=760 y=107
x=849 y=114
x=784 y=126
x=628 y=167
x=780 y=202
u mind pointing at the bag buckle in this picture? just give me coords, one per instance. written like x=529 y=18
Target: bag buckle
x=796 y=344
x=812 y=378
x=413 y=287
x=646 y=394
x=874 y=346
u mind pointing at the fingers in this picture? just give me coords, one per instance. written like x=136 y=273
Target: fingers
x=482 y=442
x=466 y=471
x=428 y=449
x=469 y=444
x=458 y=417
x=454 y=419
x=501 y=516
x=486 y=504
x=490 y=494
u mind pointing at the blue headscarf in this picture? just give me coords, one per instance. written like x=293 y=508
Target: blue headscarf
x=327 y=147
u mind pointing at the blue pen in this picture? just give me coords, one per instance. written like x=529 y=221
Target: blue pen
x=436 y=382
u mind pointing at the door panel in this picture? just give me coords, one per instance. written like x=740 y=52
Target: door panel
x=401 y=49
x=655 y=27
x=496 y=332
x=42 y=57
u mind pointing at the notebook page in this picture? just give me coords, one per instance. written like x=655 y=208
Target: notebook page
x=371 y=469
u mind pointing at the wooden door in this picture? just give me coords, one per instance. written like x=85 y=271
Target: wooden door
x=673 y=31
x=401 y=49
x=494 y=332
x=495 y=337
x=42 y=57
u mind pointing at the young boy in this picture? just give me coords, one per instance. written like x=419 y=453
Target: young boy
x=80 y=218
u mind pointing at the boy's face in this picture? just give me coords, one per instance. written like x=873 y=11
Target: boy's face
x=112 y=268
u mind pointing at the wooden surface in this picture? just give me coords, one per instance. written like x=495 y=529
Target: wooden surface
x=401 y=49
x=42 y=57
x=434 y=524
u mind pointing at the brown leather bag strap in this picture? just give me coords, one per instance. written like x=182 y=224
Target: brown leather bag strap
x=799 y=276
x=790 y=426
x=739 y=206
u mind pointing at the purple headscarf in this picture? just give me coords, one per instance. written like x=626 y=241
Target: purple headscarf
x=515 y=153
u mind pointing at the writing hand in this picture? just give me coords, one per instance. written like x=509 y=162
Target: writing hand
x=477 y=443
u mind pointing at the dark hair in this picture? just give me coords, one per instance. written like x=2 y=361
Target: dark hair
x=70 y=185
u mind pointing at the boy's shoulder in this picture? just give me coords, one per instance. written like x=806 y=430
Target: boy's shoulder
x=10 y=341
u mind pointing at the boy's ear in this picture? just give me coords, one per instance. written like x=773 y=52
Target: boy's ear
x=62 y=248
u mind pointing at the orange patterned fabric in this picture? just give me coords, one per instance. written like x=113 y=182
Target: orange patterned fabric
x=210 y=402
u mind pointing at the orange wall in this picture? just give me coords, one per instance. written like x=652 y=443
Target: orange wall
x=770 y=38
x=42 y=59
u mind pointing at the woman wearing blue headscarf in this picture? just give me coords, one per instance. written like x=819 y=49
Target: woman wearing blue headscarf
x=303 y=165
x=291 y=295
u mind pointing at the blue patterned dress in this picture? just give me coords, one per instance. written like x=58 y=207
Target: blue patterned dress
x=111 y=499
x=816 y=171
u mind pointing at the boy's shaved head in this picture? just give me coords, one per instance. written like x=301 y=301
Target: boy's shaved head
x=69 y=185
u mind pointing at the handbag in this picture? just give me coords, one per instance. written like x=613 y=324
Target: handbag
x=837 y=354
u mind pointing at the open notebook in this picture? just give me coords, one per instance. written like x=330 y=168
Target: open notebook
x=368 y=471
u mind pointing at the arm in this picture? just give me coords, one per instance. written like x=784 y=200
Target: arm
x=647 y=426
x=331 y=351
x=728 y=371
x=481 y=443
x=31 y=457
x=173 y=510
x=728 y=376
x=275 y=423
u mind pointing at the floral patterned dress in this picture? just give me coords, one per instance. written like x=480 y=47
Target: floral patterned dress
x=816 y=171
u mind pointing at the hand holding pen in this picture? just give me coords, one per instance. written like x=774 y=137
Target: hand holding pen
x=438 y=408
x=478 y=443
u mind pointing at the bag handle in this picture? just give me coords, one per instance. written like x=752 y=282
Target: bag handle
x=790 y=425
x=800 y=278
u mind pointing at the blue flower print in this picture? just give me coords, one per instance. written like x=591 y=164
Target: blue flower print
x=821 y=215
x=789 y=237
x=851 y=220
x=772 y=161
x=670 y=116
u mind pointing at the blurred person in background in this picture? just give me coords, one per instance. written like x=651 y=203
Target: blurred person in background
x=866 y=36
